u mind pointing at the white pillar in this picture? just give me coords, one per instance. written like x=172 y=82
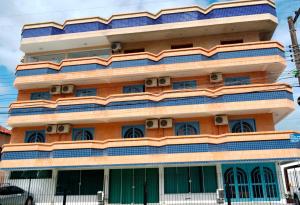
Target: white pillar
x=281 y=185
x=219 y=176
x=161 y=185
x=106 y=185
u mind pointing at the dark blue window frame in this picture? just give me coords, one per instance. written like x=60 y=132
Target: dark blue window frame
x=184 y=85
x=40 y=96
x=242 y=125
x=35 y=136
x=133 y=131
x=79 y=134
x=187 y=128
x=230 y=81
x=86 y=92
x=134 y=89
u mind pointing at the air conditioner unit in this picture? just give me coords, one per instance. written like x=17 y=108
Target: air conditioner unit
x=116 y=47
x=63 y=128
x=220 y=196
x=55 y=89
x=164 y=81
x=67 y=89
x=151 y=82
x=152 y=123
x=221 y=120
x=51 y=129
x=216 y=77
x=165 y=123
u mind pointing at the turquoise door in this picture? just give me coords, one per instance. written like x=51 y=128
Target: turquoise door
x=251 y=182
x=127 y=186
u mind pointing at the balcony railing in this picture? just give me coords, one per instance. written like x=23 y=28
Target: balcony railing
x=220 y=10
x=197 y=148
x=234 y=99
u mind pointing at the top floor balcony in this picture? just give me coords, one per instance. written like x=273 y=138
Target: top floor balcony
x=219 y=18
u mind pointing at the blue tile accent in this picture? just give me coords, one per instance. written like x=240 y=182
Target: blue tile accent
x=150 y=150
x=254 y=96
x=148 y=62
x=143 y=20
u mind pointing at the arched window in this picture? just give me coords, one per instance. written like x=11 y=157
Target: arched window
x=270 y=182
x=257 y=184
x=135 y=131
x=35 y=136
x=237 y=126
x=187 y=128
x=83 y=134
x=242 y=180
x=236 y=183
x=229 y=183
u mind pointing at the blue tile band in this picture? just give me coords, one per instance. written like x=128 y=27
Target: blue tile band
x=144 y=21
x=148 y=62
x=151 y=150
x=134 y=104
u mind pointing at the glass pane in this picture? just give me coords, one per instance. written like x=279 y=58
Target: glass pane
x=210 y=179
x=183 y=185
x=115 y=182
x=68 y=181
x=91 y=182
x=170 y=180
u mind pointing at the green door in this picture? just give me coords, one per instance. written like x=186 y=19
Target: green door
x=128 y=186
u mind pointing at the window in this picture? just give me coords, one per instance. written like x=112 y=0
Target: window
x=93 y=53
x=134 y=89
x=127 y=186
x=86 y=92
x=83 y=134
x=179 y=180
x=236 y=81
x=244 y=125
x=33 y=174
x=79 y=182
x=187 y=128
x=35 y=136
x=40 y=96
x=179 y=46
x=137 y=50
x=184 y=85
x=134 y=131
x=232 y=42
x=251 y=182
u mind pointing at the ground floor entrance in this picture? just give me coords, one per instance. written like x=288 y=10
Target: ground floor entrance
x=193 y=184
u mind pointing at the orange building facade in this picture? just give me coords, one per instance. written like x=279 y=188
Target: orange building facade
x=174 y=105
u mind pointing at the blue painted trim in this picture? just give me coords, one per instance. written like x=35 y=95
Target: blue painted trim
x=29 y=133
x=230 y=81
x=255 y=96
x=86 y=92
x=151 y=164
x=144 y=21
x=134 y=128
x=40 y=96
x=134 y=89
x=182 y=128
x=148 y=62
x=82 y=131
x=250 y=122
x=184 y=85
x=151 y=150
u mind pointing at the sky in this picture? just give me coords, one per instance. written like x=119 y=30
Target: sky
x=15 y=13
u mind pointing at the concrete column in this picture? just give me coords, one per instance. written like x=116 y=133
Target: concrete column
x=219 y=176
x=106 y=185
x=161 y=185
x=281 y=185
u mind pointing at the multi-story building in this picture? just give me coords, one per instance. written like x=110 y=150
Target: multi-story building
x=169 y=107
x=4 y=139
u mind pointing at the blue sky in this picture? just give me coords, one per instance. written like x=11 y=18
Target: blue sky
x=15 y=13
